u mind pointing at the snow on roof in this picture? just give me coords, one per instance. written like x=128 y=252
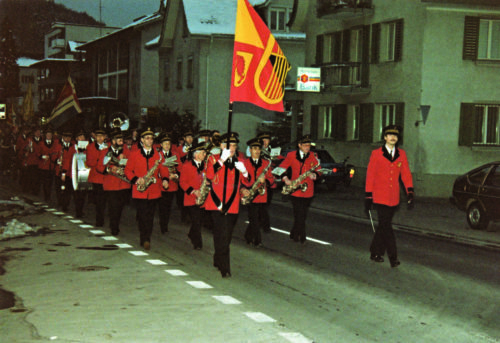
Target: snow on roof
x=25 y=61
x=211 y=17
x=73 y=45
x=142 y=20
x=153 y=42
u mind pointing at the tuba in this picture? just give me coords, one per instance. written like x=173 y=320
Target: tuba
x=119 y=120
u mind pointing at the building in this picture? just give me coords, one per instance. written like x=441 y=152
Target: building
x=430 y=66
x=195 y=60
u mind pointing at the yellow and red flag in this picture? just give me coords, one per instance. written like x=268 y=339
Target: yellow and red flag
x=67 y=105
x=259 y=65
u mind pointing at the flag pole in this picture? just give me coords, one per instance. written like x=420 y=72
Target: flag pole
x=230 y=118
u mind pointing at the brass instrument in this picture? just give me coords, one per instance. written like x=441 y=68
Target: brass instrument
x=297 y=183
x=205 y=184
x=149 y=177
x=119 y=120
x=119 y=172
x=171 y=163
x=257 y=187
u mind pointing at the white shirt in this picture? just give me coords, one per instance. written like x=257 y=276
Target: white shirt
x=391 y=151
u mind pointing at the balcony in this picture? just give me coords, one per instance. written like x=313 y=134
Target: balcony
x=346 y=78
x=344 y=9
x=57 y=43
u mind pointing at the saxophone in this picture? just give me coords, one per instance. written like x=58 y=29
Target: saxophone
x=205 y=184
x=120 y=171
x=257 y=187
x=297 y=183
x=149 y=178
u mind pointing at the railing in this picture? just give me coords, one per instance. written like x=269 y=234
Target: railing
x=345 y=74
x=334 y=7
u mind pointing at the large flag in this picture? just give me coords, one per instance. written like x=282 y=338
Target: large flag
x=28 y=109
x=67 y=105
x=259 y=65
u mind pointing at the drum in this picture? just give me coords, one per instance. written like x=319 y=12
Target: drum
x=80 y=172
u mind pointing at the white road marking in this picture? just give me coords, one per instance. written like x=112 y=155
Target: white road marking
x=97 y=232
x=308 y=238
x=109 y=238
x=68 y=217
x=123 y=245
x=59 y=213
x=226 y=299
x=86 y=226
x=176 y=272
x=259 y=317
x=156 y=262
x=50 y=209
x=199 y=284
x=37 y=203
x=138 y=253
x=295 y=337
x=76 y=221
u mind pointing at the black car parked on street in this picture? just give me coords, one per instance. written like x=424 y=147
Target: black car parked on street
x=477 y=192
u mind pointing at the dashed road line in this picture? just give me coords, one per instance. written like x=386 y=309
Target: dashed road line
x=176 y=272
x=307 y=238
x=199 y=284
x=123 y=245
x=295 y=337
x=226 y=299
x=97 y=232
x=259 y=317
x=156 y=262
x=138 y=253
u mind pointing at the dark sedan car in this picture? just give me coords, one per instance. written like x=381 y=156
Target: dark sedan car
x=478 y=194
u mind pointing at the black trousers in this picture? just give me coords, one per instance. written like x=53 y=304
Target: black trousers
x=180 y=205
x=257 y=219
x=100 y=203
x=66 y=193
x=266 y=223
x=116 y=202
x=79 y=197
x=24 y=180
x=165 y=208
x=300 y=210
x=384 y=239
x=46 y=178
x=196 y=213
x=223 y=233
x=145 y=218
x=33 y=178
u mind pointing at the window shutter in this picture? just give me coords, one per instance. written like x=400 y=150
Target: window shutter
x=365 y=60
x=314 y=121
x=471 y=38
x=337 y=37
x=346 y=45
x=398 y=44
x=319 y=49
x=467 y=127
x=339 y=122
x=375 y=43
x=400 y=117
x=366 y=123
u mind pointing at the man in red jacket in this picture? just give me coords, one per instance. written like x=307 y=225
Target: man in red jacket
x=80 y=194
x=170 y=181
x=142 y=162
x=226 y=174
x=63 y=189
x=387 y=165
x=94 y=153
x=298 y=163
x=47 y=155
x=257 y=208
x=116 y=188
x=33 y=160
x=193 y=173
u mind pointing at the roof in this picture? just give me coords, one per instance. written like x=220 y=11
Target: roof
x=217 y=17
x=55 y=60
x=153 y=42
x=73 y=45
x=25 y=61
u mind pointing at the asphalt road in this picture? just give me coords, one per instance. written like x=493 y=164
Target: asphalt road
x=331 y=292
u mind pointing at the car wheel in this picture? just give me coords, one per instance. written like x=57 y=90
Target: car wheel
x=476 y=217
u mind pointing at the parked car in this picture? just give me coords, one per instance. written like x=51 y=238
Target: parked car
x=477 y=192
x=334 y=173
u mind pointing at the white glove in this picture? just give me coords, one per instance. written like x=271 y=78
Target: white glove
x=225 y=155
x=241 y=167
x=45 y=157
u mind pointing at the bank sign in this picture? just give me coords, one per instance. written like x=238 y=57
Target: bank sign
x=308 y=79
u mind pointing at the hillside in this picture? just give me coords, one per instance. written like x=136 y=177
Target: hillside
x=31 y=19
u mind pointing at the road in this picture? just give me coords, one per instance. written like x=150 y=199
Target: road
x=331 y=292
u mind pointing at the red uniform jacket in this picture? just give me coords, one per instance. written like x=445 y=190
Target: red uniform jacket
x=253 y=173
x=50 y=151
x=223 y=197
x=190 y=180
x=62 y=155
x=138 y=166
x=382 y=176
x=33 y=152
x=299 y=167
x=93 y=157
x=111 y=182
x=21 y=143
x=173 y=186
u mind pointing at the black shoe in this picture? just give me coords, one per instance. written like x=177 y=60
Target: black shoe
x=376 y=258
x=395 y=263
x=197 y=247
x=225 y=274
x=164 y=231
x=115 y=233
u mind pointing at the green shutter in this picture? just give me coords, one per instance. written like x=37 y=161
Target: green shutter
x=346 y=45
x=366 y=123
x=400 y=118
x=320 y=39
x=467 y=127
x=337 y=57
x=365 y=62
x=398 y=47
x=339 y=122
x=314 y=121
x=375 y=43
x=471 y=38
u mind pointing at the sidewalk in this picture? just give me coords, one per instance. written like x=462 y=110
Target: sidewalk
x=435 y=217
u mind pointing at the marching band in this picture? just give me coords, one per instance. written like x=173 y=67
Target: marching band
x=210 y=178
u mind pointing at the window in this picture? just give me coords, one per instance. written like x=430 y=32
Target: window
x=327 y=122
x=166 y=75
x=179 y=73
x=489 y=39
x=387 y=114
x=387 y=41
x=277 y=19
x=190 y=72
x=479 y=124
x=113 y=71
x=353 y=120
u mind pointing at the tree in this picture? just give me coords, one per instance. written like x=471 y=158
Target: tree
x=9 y=70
